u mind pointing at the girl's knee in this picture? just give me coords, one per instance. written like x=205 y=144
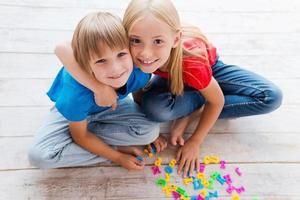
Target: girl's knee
x=273 y=99
x=156 y=109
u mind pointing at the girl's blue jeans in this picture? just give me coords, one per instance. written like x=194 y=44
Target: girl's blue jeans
x=245 y=92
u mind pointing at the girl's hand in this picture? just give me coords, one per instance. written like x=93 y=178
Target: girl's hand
x=130 y=162
x=106 y=96
x=176 y=139
x=188 y=157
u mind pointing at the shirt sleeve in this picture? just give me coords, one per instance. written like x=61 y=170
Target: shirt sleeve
x=73 y=107
x=138 y=80
x=197 y=73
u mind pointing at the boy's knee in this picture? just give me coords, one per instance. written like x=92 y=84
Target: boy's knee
x=150 y=133
x=39 y=157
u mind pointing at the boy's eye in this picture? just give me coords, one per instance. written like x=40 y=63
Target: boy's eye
x=121 y=54
x=134 y=40
x=100 y=61
x=158 y=41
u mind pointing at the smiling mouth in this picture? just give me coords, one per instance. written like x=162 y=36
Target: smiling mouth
x=147 y=62
x=117 y=76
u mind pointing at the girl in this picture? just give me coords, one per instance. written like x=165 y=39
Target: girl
x=77 y=132
x=191 y=78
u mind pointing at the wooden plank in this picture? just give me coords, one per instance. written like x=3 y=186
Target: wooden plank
x=47 y=65
x=28 y=65
x=62 y=19
x=44 y=41
x=115 y=4
x=15 y=156
x=262 y=180
x=268 y=66
x=37 y=41
x=255 y=44
x=193 y=5
x=21 y=121
x=283 y=120
x=243 y=22
x=243 y=148
x=258 y=181
x=24 y=121
x=32 y=92
x=25 y=92
x=66 y=19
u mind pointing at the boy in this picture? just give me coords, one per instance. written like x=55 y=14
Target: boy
x=77 y=132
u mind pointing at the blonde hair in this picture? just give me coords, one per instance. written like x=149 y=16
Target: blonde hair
x=165 y=11
x=94 y=31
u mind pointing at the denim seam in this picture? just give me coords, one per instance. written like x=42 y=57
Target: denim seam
x=240 y=104
x=242 y=84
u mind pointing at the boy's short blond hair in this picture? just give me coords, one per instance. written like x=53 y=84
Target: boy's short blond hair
x=94 y=31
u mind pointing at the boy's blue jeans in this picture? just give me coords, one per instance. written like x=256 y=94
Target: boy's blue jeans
x=245 y=92
x=54 y=147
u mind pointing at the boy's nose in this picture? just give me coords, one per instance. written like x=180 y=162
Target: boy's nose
x=115 y=67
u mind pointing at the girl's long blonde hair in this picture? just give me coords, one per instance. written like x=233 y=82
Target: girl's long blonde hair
x=165 y=11
x=94 y=31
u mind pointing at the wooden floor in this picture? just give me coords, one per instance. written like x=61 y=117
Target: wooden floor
x=262 y=35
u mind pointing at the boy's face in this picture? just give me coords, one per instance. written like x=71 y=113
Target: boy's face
x=113 y=68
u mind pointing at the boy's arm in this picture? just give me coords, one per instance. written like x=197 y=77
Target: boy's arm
x=104 y=95
x=91 y=142
x=95 y=145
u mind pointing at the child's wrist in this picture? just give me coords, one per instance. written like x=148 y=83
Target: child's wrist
x=116 y=157
x=98 y=87
x=197 y=139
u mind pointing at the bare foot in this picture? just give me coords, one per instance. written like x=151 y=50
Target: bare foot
x=160 y=144
x=177 y=130
x=179 y=126
x=133 y=150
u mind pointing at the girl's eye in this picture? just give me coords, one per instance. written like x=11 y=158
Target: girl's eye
x=158 y=41
x=100 y=61
x=121 y=54
x=134 y=40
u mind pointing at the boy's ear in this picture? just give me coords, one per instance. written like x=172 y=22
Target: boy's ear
x=177 y=39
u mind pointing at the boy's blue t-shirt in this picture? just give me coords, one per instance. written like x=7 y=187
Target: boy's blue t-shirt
x=75 y=102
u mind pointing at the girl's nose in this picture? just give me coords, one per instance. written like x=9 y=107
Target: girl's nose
x=146 y=53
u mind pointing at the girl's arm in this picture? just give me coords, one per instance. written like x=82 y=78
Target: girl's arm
x=188 y=154
x=212 y=109
x=95 y=145
x=64 y=52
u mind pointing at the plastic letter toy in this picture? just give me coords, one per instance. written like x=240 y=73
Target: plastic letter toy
x=155 y=170
x=237 y=171
x=168 y=169
x=172 y=163
x=140 y=158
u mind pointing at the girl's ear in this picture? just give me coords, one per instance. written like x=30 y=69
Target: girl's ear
x=177 y=39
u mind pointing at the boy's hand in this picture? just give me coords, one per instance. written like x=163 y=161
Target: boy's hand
x=188 y=157
x=160 y=144
x=130 y=162
x=106 y=96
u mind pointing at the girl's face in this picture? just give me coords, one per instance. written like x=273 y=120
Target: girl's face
x=113 y=68
x=151 y=41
